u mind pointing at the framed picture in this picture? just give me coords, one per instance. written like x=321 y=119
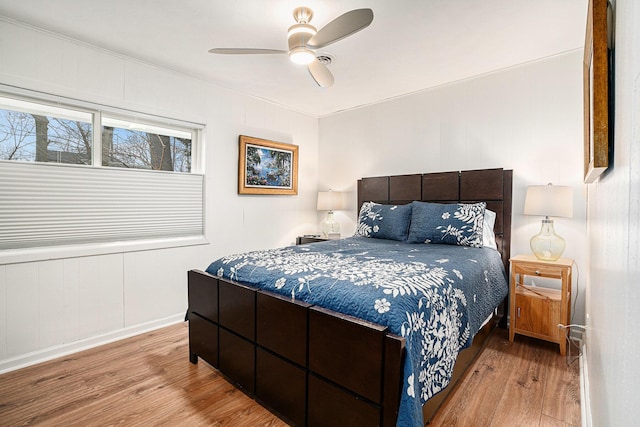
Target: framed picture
x=596 y=76
x=267 y=167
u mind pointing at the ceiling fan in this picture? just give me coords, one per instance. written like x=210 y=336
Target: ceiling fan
x=303 y=38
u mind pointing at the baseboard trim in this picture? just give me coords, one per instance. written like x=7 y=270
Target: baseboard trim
x=585 y=403
x=44 y=355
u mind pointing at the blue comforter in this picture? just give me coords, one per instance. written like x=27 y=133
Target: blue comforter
x=435 y=296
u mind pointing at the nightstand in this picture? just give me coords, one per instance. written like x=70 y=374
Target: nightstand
x=536 y=311
x=301 y=240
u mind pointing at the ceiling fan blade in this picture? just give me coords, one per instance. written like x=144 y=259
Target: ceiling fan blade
x=320 y=73
x=244 y=51
x=341 y=27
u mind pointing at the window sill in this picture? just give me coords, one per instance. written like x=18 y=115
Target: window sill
x=45 y=253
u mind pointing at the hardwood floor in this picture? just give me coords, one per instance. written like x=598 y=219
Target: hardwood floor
x=524 y=383
x=148 y=380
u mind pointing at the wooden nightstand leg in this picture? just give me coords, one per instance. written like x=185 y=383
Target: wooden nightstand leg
x=512 y=307
x=563 y=343
x=512 y=328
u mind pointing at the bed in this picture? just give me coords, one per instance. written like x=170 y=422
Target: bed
x=294 y=338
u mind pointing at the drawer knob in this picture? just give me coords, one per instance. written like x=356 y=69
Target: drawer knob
x=537 y=272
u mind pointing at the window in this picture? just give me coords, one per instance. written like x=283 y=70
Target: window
x=83 y=173
x=128 y=144
x=41 y=133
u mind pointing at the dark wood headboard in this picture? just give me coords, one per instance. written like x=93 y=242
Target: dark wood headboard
x=492 y=186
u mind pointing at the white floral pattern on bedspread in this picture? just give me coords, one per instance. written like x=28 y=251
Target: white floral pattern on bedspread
x=435 y=296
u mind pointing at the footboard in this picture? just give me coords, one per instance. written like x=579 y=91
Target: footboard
x=310 y=365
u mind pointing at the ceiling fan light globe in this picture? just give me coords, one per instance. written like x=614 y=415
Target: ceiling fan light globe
x=302 y=56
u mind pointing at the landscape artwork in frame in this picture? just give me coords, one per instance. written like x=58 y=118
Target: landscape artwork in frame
x=597 y=77
x=267 y=167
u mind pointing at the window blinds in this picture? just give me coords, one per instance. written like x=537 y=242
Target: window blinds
x=45 y=205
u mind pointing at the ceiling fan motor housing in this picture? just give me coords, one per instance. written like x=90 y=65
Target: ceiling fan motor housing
x=299 y=35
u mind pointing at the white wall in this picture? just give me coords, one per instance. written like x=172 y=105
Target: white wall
x=52 y=306
x=613 y=300
x=526 y=118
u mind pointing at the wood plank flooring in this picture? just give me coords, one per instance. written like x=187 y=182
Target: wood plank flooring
x=148 y=381
x=524 y=383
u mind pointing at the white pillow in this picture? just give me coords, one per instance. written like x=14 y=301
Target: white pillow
x=488 y=237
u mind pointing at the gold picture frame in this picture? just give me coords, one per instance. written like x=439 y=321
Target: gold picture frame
x=267 y=167
x=596 y=91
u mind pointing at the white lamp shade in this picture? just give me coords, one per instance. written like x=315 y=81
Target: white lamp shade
x=330 y=201
x=549 y=200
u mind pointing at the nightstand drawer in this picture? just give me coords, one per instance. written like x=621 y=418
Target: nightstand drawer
x=538 y=270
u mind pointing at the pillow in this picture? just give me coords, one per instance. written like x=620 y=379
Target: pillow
x=488 y=237
x=451 y=224
x=384 y=221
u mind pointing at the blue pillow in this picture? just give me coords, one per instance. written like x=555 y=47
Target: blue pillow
x=384 y=221
x=451 y=224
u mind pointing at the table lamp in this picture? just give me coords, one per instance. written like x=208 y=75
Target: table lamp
x=548 y=201
x=330 y=201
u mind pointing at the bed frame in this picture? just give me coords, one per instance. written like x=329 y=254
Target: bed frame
x=302 y=361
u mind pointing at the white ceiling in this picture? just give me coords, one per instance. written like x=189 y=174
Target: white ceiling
x=410 y=46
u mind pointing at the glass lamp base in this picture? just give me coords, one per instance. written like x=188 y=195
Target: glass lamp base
x=547 y=245
x=330 y=226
